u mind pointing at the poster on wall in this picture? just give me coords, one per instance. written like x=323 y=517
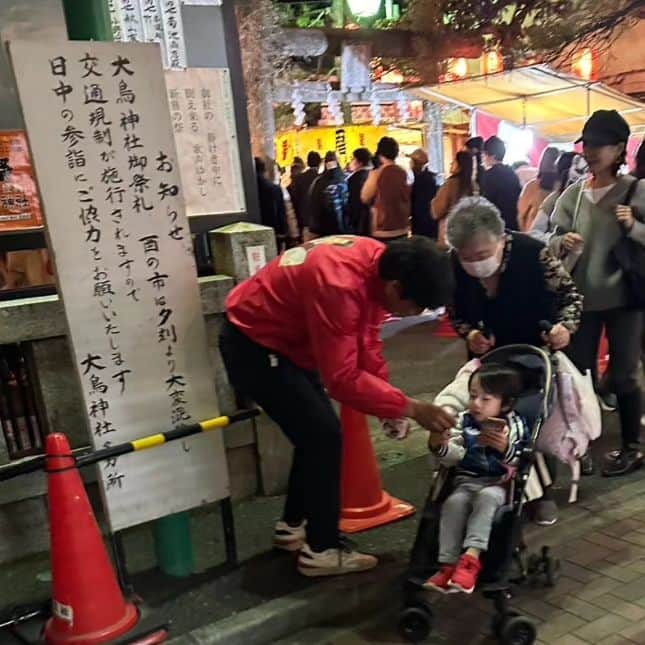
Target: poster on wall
x=19 y=202
x=103 y=148
x=203 y=119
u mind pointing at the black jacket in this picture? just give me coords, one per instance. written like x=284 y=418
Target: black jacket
x=424 y=190
x=272 y=209
x=501 y=186
x=358 y=213
x=328 y=204
x=522 y=302
x=299 y=191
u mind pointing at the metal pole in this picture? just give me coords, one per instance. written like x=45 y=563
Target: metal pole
x=228 y=523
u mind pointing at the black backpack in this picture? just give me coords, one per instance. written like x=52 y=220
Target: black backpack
x=630 y=256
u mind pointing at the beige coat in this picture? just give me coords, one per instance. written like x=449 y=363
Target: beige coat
x=447 y=196
x=529 y=203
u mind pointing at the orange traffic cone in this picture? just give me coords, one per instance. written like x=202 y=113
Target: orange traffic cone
x=444 y=329
x=88 y=606
x=365 y=504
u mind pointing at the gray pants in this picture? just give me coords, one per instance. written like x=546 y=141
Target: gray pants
x=467 y=517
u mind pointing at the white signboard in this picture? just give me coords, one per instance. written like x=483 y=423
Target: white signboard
x=115 y=19
x=153 y=25
x=355 y=66
x=105 y=160
x=201 y=108
x=173 y=29
x=256 y=257
x=131 y=24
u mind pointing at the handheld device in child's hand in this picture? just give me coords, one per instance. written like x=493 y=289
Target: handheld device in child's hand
x=493 y=424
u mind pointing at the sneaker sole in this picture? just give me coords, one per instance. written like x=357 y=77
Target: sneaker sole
x=443 y=590
x=634 y=467
x=319 y=572
x=545 y=522
x=460 y=589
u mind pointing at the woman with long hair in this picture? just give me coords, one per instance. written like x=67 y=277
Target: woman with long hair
x=457 y=186
x=571 y=168
x=591 y=218
x=538 y=189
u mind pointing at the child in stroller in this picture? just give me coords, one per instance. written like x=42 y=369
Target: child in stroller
x=505 y=545
x=483 y=449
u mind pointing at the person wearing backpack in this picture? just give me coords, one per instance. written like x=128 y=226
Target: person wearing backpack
x=328 y=201
x=594 y=220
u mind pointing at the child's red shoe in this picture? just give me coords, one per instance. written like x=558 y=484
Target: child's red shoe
x=465 y=576
x=440 y=581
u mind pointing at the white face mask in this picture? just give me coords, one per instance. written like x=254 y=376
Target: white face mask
x=483 y=268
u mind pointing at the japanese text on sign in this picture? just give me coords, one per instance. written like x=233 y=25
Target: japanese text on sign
x=125 y=265
x=201 y=109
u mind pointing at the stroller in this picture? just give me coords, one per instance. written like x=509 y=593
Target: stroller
x=506 y=564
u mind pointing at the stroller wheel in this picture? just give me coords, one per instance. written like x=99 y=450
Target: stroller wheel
x=415 y=623
x=517 y=630
x=499 y=620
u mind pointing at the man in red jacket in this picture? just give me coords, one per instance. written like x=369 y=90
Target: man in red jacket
x=306 y=328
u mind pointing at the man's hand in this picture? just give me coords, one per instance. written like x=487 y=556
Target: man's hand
x=478 y=343
x=558 y=338
x=397 y=429
x=625 y=216
x=431 y=417
x=495 y=439
x=573 y=242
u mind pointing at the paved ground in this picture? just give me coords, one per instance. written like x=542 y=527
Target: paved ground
x=600 y=598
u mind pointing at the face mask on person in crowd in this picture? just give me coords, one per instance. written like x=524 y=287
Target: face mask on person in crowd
x=483 y=268
x=330 y=165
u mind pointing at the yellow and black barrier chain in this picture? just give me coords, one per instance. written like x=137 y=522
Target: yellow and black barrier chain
x=137 y=445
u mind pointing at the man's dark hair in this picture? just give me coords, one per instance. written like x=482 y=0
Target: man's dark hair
x=500 y=380
x=260 y=166
x=363 y=156
x=495 y=148
x=388 y=148
x=424 y=271
x=475 y=144
x=313 y=159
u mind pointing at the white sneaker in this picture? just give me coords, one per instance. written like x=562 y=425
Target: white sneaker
x=333 y=562
x=289 y=538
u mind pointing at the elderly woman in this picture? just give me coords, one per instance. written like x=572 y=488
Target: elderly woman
x=507 y=284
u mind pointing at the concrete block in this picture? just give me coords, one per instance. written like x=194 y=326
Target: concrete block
x=229 y=245
x=243 y=473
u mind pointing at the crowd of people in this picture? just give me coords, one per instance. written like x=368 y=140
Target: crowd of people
x=522 y=259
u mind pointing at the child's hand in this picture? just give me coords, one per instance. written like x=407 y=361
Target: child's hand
x=438 y=439
x=495 y=439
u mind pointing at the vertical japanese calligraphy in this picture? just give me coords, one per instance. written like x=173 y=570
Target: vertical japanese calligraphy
x=151 y=21
x=201 y=110
x=110 y=187
x=173 y=29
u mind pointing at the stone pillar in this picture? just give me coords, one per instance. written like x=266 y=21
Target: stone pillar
x=239 y=250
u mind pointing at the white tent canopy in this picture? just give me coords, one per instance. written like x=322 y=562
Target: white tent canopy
x=553 y=104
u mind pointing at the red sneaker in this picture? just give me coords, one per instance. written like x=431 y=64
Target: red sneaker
x=440 y=581
x=465 y=576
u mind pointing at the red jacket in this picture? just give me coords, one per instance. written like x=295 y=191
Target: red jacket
x=319 y=305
